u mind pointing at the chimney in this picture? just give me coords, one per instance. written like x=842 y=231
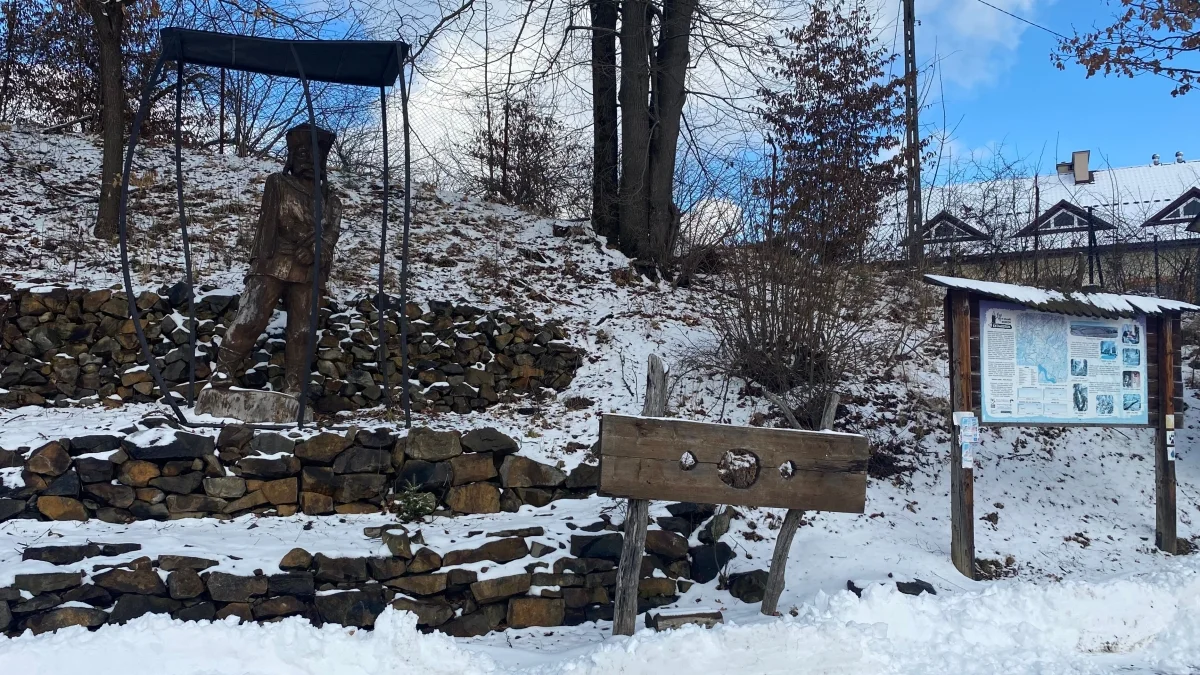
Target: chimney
x=1079 y=166
x=1179 y=157
x=1155 y=160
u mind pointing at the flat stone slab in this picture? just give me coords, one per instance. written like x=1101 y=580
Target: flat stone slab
x=249 y=405
x=674 y=618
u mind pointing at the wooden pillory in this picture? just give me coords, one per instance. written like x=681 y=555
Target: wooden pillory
x=1143 y=351
x=648 y=457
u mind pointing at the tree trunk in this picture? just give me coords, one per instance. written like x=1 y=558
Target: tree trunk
x=669 y=95
x=605 y=215
x=109 y=19
x=635 y=130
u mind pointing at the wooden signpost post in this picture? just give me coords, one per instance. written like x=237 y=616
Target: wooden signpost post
x=1127 y=347
x=644 y=458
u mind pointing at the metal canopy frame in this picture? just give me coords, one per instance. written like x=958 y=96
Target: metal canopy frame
x=360 y=63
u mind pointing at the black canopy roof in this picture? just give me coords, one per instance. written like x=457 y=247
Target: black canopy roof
x=362 y=62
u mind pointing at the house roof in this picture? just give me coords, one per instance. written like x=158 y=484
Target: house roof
x=1044 y=222
x=1107 y=305
x=946 y=228
x=1164 y=215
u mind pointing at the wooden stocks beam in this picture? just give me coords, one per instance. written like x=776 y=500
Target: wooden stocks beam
x=636 y=513
x=962 y=480
x=1164 y=467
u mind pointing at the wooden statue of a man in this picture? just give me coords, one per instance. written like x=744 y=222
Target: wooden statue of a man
x=282 y=257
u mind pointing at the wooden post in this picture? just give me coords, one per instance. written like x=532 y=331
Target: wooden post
x=962 y=479
x=629 y=571
x=791 y=522
x=1164 y=466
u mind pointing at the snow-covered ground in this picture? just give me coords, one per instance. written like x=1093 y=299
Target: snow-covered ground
x=1067 y=516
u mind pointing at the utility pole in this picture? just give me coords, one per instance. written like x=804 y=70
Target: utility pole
x=912 y=146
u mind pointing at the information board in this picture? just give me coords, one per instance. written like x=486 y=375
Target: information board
x=1043 y=367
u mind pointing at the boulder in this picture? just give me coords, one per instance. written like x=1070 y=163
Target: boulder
x=139 y=579
x=669 y=545
x=269 y=469
x=47 y=582
x=315 y=503
x=353 y=487
x=474 y=498
x=522 y=472
x=424 y=560
x=606 y=546
x=432 y=446
x=89 y=594
x=491 y=590
x=429 y=613
x=339 y=570
x=62 y=508
x=130 y=607
x=582 y=597
x=83 y=445
x=284 y=605
x=652 y=587
x=282 y=491
x=501 y=551
x=350 y=608
x=225 y=487
x=748 y=586
x=472 y=468
x=52 y=459
x=170 y=563
x=224 y=587
x=529 y=612
x=425 y=476
x=480 y=622
x=375 y=438
x=383 y=569
x=363 y=460
x=296 y=559
x=137 y=473
x=93 y=470
x=268 y=443
x=299 y=584
x=239 y=609
x=399 y=543
x=64 y=617
x=708 y=561
x=252 y=500
x=183 y=484
x=201 y=611
x=184 y=584
x=583 y=477
x=165 y=443
x=195 y=504
x=488 y=440
x=322 y=448
x=61 y=555
x=422 y=584
x=319 y=479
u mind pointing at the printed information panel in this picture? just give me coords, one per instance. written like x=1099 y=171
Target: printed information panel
x=1060 y=369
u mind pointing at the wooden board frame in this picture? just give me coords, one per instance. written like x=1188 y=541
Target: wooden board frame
x=640 y=459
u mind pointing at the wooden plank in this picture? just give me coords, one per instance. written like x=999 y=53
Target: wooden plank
x=962 y=489
x=1164 y=467
x=640 y=459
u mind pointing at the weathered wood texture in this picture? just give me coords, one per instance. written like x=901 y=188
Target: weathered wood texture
x=636 y=513
x=640 y=459
x=1164 y=470
x=962 y=480
x=791 y=522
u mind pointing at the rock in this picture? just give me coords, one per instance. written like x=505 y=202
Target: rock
x=184 y=562
x=584 y=477
x=350 y=608
x=267 y=443
x=748 y=586
x=353 y=487
x=137 y=473
x=11 y=507
x=432 y=446
x=92 y=470
x=383 y=569
x=62 y=508
x=491 y=590
x=536 y=497
x=250 y=501
x=375 y=438
x=669 y=620
x=64 y=617
x=315 y=504
x=38 y=603
x=184 y=584
x=509 y=501
x=250 y=406
x=472 y=468
x=480 y=622
x=428 y=613
x=425 y=560
x=66 y=485
x=560 y=580
x=145 y=511
x=669 y=545
x=239 y=609
x=269 y=469
x=47 y=582
x=164 y=443
x=234 y=438
x=708 y=561
x=501 y=551
x=201 y=611
x=140 y=579
x=915 y=587
x=108 y=514
x=537 y=549
x=87 y=593
x=119 y=549
x=282 y=491
x=61 y=555
x=363 y=460
x=398 y=543
x=130 y=607
x=425 y=476
x=582 y=597
x=185 y=484
x=339 y=570
x=225 y=487
x=488 y=440
x=6 y=616
x=83 y=445
x=681 y=526
x=474 y=498
x=52 y=459
x=320 y=479
x=422 y=584
x=224 y=587
x=322 y=448
x=284 y=605
x=606 y=546
x=650 y=587
x=522 y=472
x=296 y=559
x=528 y=612
x=299 y=584
x=195 y=504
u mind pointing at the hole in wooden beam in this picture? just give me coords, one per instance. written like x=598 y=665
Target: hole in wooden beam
x=738 y=468
x=787 y=470
x=687 y=461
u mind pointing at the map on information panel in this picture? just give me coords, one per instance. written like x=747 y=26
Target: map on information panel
x=1055 y=368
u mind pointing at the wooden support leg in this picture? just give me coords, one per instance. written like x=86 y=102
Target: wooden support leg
x=962 y=479
x=629 y=570
x=783 y=544
x=1165 y=536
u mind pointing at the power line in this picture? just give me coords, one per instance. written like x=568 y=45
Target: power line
x=1024 y=20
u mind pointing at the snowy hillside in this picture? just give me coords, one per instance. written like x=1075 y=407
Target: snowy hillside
x=1065 y=517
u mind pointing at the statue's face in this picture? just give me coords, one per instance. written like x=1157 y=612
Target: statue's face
x=303 y=162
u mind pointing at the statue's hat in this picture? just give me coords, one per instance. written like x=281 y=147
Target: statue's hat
x=301 y=134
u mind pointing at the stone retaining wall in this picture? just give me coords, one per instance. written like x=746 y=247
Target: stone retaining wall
x=61 y=346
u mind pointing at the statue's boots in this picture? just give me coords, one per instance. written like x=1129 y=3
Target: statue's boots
x=223 y=375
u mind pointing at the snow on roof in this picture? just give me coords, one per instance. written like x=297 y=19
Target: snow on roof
x=1088 y=304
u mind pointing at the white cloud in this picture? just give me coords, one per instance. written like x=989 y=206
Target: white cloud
x=975 y=43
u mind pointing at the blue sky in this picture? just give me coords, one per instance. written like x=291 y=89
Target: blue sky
x=999 y=86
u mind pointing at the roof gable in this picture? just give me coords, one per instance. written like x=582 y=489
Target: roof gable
x=1064 y=217
x=946 y=228
x=1184 y=209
